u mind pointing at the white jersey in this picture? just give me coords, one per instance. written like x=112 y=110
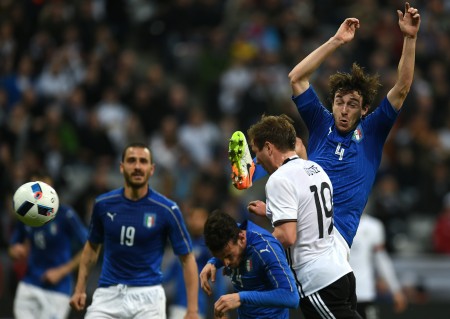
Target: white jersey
x=301 y=191
x=369 y=235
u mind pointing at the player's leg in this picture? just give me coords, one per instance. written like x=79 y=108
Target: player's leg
x=146 y=302
x=242 y=165
x=107 y=303
x=337 y=300
x=26 y=303
x=55 y=305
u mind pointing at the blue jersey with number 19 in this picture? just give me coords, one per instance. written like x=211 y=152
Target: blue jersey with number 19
x=351 y=160
x=134 y=235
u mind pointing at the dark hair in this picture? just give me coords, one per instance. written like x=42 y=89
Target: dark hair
x=278 y=130
x=219 y=229
x=366 y=85
x=138 y=145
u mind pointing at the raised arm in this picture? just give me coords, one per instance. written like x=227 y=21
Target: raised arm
x=300 y=74
x=89 y=258
x=409 y=23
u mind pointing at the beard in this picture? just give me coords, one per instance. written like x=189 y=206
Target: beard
x=129 y=180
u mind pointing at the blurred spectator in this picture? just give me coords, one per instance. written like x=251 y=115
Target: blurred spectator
x=390 y=208
x=148 y=104
x=441 y=233
x=96 y=145
x=199 y=136
x=58 y=60
x=8 y=47
x=15 y=83
x=165 y=144
x=56 y=80
x=113 y=116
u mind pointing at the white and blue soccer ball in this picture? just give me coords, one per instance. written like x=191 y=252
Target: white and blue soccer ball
x=35 y=203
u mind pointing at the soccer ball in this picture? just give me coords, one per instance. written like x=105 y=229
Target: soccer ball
x=35 y=203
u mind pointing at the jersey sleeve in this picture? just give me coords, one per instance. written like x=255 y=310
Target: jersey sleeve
x=216 y=262
x=381 y=121
x=281 y=201
x=75 y=226
x=178 y=234
x=311 y=109
x=95 y=233
x=274 y=264
x=18 y=235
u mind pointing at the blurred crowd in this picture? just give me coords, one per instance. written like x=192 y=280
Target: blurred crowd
x=81 y=79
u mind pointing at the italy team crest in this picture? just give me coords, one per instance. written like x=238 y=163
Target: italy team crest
x=358 y=134
x=149 y=220
x=248 y=265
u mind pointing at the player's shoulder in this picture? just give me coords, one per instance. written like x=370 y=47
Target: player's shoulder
x=66 y=211
x=254 y=228
x=258 y=235
x=109 y=196
x=299 y=167
x=161 y=200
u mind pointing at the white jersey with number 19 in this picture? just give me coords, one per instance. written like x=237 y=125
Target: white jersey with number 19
x=301 y=191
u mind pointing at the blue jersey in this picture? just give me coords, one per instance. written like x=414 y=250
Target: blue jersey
x=175 y=272
x=51 y=246
x=263 y=279
x=351 y=160
x=134 y=235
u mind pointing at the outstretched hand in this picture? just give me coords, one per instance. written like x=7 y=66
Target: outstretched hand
x=347 y=30
x=409 y=21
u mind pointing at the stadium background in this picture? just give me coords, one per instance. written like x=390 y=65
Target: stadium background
x=79 y=79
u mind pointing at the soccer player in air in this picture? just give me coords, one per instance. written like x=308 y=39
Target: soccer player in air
x=44 y=291
x=256 y=263
x=133 y=225
x=299 y=203
x=348 y=141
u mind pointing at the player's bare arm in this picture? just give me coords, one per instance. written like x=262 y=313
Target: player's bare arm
x=300 y=74
x=208 y=273
x=190 y=272
x=54 y=275
x=89 y=258
x=286 y=233
x=19 y=251
x=409 y=23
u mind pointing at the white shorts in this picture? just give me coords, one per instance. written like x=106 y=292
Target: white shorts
x=341 y=245
x=124 y=302
x=178 y=312
x=35 y=302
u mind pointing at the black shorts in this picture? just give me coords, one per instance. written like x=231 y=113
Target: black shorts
x=336 y=301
